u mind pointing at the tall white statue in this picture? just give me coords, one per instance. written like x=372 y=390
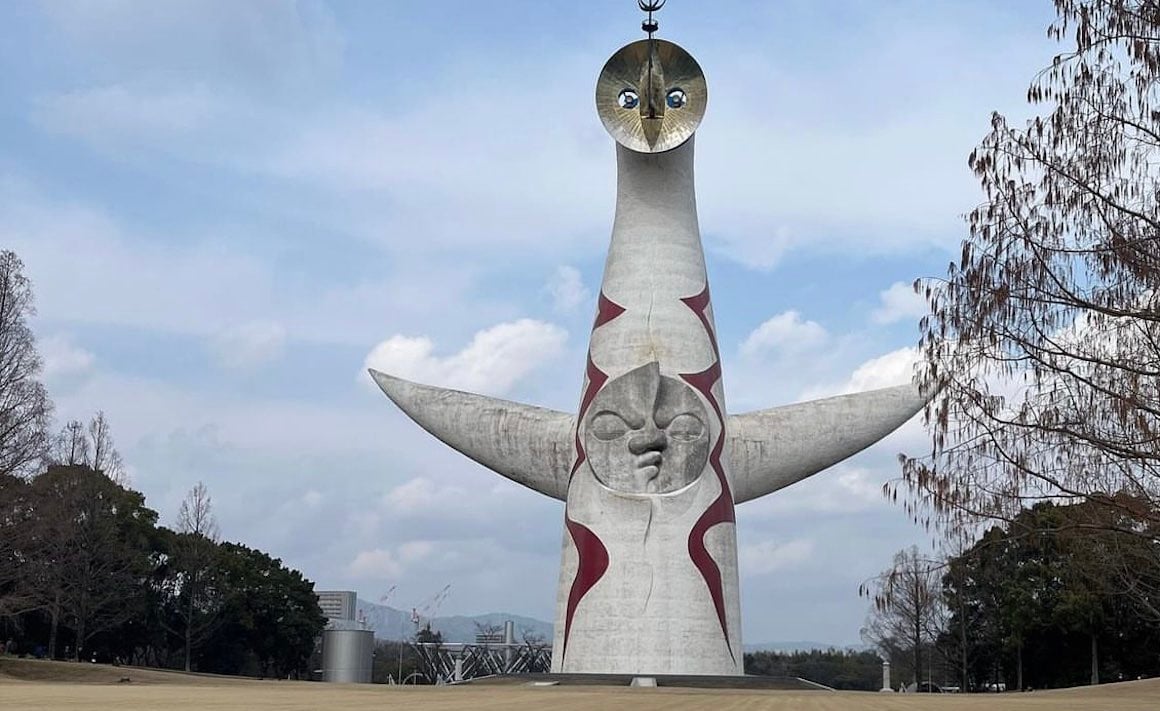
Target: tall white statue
x=651 y=466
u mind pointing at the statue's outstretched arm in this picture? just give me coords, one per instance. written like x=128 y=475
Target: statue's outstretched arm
x=771 y=449
x=529 y=445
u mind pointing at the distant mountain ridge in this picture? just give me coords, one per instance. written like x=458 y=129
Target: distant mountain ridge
x=392 y=624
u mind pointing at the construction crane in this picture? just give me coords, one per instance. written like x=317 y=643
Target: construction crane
x=426 y=610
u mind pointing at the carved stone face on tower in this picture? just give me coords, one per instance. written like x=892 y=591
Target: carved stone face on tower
x=651 y=96
x=646 y=433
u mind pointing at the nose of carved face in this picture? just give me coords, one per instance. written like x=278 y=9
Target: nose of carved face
x=648 y=439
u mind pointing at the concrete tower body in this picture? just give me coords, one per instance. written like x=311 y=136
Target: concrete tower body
x=651 y=465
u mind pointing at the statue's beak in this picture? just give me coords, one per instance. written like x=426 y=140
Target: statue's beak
x=652 y=105
x=652 y=129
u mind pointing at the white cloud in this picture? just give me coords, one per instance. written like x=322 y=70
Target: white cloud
x=898 y=302
x=386 y=563
x=770 y=556
x=420 y=494
x=194 y=423
x=807 y=179
x=198 y=285
x=836 y=184
x=248 y=345
x=73 y=252
x=503 y=188
x=495 y=360
x=567 y=289
x=784 y=333
x=64 y=363
x=843 y=489
x=836 y=179
x=893 y=368
x=263 y=45
x=375 y=563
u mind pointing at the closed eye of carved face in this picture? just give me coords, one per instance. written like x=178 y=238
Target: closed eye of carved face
x=607 y=426
x=651 y=96
x=686 y=427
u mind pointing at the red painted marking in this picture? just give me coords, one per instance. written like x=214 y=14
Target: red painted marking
x=700 y=306
x=606 y=310
x=721 y=510
x=592 y=563
x=596 y=380
x=592 y=556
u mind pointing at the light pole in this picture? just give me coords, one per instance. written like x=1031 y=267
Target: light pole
x=401 y=634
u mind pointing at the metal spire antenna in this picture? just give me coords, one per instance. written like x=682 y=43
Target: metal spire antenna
x=650 y=6
x=650 y=26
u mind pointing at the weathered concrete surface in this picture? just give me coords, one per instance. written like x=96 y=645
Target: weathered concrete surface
x=648 y=582
x=767 y=450
x=771 y=449
x=529 y=445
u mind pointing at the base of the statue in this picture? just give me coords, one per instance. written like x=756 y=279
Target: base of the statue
x=782 y=683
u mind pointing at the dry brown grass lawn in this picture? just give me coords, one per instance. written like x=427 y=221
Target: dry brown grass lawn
x=50 y=685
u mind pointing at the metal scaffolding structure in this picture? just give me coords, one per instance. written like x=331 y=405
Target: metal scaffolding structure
x=447 y=663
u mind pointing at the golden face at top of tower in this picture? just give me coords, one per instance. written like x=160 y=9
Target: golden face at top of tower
x=651 y=96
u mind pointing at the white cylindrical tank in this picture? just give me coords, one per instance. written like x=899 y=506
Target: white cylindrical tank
x=347 y=655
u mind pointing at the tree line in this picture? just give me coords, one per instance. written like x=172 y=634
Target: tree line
x=1059 y=596
x=86 y=570
x=846 y=669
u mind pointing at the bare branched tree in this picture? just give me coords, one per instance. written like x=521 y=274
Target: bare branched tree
x=196 y=514
x=89 y=445
x=193 y=583
x=105 y=457
x=70 y=446
x=908 y=613
x=1044 y=339
x=24 y=405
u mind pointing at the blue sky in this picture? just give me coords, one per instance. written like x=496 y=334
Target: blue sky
x=229 y=209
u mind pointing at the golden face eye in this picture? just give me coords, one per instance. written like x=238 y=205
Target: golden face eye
x=628 y=99
x=676 y=98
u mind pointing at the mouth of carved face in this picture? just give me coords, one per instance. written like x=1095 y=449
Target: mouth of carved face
x=646 y=433
x=648 y=465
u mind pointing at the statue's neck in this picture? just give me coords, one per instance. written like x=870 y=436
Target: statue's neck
x=655 y=273
x=656 y=243
x=656 y=190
